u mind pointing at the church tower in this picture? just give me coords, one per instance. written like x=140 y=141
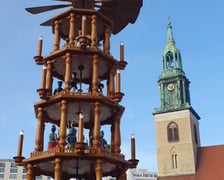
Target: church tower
x=177 y=127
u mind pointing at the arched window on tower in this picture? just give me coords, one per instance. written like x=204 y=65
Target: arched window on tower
x=172 y=132
x=169 y=60
x=177 y=65
x=174 y=161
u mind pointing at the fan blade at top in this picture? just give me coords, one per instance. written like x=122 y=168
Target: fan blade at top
x=49 y=22
x=121 y=12
x=40 y=9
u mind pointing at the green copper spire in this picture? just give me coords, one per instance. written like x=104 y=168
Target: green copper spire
x=171 y=55
x=174 y=86
x=170 y=39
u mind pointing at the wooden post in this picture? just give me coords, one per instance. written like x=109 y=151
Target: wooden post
x=107 y=40
x=57 y=169
x=112 y=138
x=95 y=74
x=49 y=77
x=62 y=132
x=29 y=174
x=99 y=173
x=96 y=131
x=93 y=33
x=123 y=175
x=68 y=72
x=56 y=35
x=117 y=136
x=39 y=132
x=72 y=30
x=111 y=81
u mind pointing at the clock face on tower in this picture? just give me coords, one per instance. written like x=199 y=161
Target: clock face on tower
x=171 y=95
x=170 y=87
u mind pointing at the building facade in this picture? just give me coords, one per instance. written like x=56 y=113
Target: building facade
x=141 y=174
x=9 y=171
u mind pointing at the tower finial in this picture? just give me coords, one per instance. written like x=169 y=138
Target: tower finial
x=170 y=38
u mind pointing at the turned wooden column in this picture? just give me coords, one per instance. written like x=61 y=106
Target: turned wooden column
x=117 y=136
x=91 y=137
x=62 y=132
x=29 y=173
x=72 y=30
x=96 y=131
x=49 y=78
x=99 y=169
x=57 y=169
x=40 y=129
x=56 y=35
x=112 y=138
x=95 y=74
x=111 y=82
x=93 y=32
x=68 y=72
x=123 y=175
x=106 y=45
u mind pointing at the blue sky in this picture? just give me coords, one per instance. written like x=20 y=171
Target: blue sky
x=199 y=34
